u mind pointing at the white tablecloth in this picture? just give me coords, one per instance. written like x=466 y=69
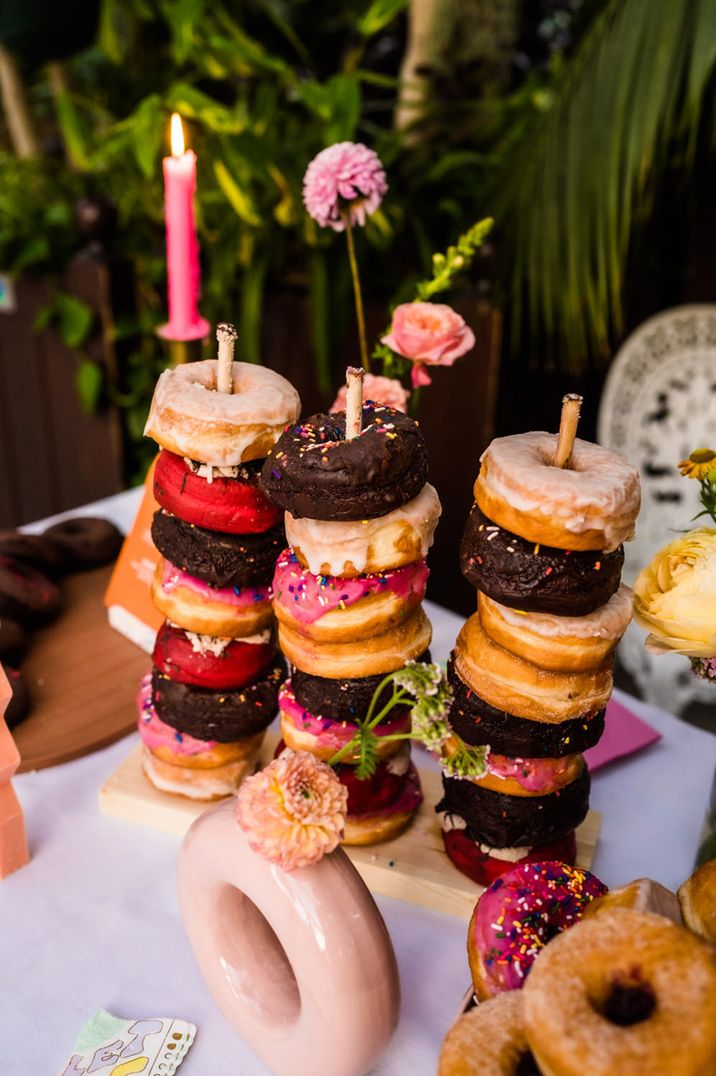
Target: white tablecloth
x=92 y=922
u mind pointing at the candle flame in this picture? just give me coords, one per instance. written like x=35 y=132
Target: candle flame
x=177 y=135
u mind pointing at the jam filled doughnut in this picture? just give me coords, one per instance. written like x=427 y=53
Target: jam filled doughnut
x=86 y=542
x=624 y=992
x=224 y=716
x=533 y=577
x=517 y=915
x=196 y=606
x=697 y=897
x=222 y=560
x=642 y=895
x=191 y=419
x=231 y=505
x=211 y=662
x=37 y=550
x=314 y=472
x=592 y=504
x=26 y=595
x=341 y=699
x=489 y=1040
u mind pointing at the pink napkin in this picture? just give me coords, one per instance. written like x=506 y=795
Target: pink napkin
x=624 y=733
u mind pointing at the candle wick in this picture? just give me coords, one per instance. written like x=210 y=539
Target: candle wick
x=226 y=335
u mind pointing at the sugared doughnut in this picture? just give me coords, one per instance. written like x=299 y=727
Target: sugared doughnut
x=328 y=608
x=86 y=541
x=206 y=610
x=477 y=723
x=314 y=472
x=224 y=716
x=510 y=683
x=302 y=730
x=13 y=640
x=341 y=699
x=533 y=577
x=483 y=864
x=370 y=545
x=40 y=551
x=625 y=992
x=222 y=560
x=232 y=505
x=489 y=1040
x=26 y=595
x=642 y=895
x=518 y=776
x=191 y=419
x=211 y=662
x=697 y=897
x=517 y=915
x=364 y=657
x=558 y=643
x=593 y=504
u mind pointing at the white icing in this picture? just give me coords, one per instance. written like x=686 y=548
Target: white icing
x=216 y=645
x=449 y=820
x=207 y=471
x=609 y=621
x=507 y=855
x=332 y=543
x=399 y=763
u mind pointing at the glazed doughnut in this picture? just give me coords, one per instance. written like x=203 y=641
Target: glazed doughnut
x=189 y=418
x=26 y=595
x=210 y=662
x=627 y=993
x=510 y=683
x=224 y=716
x=489 y=1040
x=314 y=472
x=328 y=608
x=477 y=723
x=558 y=643
x=86 y=541
x=13 y=640
x=642 y=895
x=593 y=504
x=403 y=536
x=484 y=864
x=499 y=820
x=37 y=550
x=364 y=657
x=518 y=776
x=697 y=898
x=341 y=699
x=198 y=607
x=533 y=577
x=517 y=915
x=230 y=505
x=302 y=730
x=222 y=560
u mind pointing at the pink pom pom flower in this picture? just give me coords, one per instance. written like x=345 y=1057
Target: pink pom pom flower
x=428 y=334
x=344 y=178
x=381 y=390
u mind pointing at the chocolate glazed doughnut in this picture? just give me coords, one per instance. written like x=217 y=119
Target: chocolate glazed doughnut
x=477 y=722
x=86 y=541
x=536 y=578
x=340 y=700
x=313 y=472
x=224 y=716
x=503 y=821
x=222 y=560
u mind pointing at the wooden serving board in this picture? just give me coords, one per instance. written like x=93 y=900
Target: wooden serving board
x=413 y=867
x=83 y=678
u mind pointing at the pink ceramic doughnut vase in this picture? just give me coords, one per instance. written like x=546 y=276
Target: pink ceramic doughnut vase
x=301 y=963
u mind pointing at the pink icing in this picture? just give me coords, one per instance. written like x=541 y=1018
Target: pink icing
x=155 y=733
x=333 y=734
x=309 y=597
x=533 y=774
x=240 y=598
x=521 y=911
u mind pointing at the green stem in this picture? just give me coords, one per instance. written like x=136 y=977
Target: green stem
x=360 y=316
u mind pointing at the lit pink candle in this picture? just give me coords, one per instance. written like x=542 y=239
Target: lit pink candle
x=185 y=322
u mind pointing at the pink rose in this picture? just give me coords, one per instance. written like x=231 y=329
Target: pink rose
x=381 y=390
x=429 y=334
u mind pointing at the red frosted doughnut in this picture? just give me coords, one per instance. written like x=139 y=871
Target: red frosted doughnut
x=230 y=505
x=187 y=658
x=482 y=868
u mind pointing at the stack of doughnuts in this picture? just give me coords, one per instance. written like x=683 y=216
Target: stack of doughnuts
x=359 y=520
x=216 y=672
x=531 y=671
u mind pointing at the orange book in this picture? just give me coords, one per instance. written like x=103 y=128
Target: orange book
x=130 y=609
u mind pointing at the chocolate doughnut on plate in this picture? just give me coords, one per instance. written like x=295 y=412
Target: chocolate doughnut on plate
x=219 y=559
x=86 y=541
x=224 y=716
x=477 y=723
x=13 y=640
x=536 y=578
x=340 y=700
x=313 y=472
x=19 y=705
x=26 y=595
x=40 y=551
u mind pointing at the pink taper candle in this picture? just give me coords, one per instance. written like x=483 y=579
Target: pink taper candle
x=185 y=322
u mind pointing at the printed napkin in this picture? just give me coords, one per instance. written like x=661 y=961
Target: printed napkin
x=109 y=1046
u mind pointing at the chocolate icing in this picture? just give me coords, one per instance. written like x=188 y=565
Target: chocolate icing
x=86 y=541
x=477 y=722
x=340 y=700
x=537 y=579
x=224 y=716
x=503 y=821
x=222 y=560
x=314 y=472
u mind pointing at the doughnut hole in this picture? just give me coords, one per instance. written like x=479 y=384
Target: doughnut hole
x=526 y=1065
x=629 y=1003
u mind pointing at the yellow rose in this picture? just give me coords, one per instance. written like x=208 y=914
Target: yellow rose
x=675 y=597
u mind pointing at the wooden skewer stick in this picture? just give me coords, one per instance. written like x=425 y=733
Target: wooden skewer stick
x=354 y=402
x=571 y=406
x=226 y=335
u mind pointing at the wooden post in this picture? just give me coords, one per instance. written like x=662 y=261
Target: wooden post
x=571 y=407
x=354 y=402
x=226 y=335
